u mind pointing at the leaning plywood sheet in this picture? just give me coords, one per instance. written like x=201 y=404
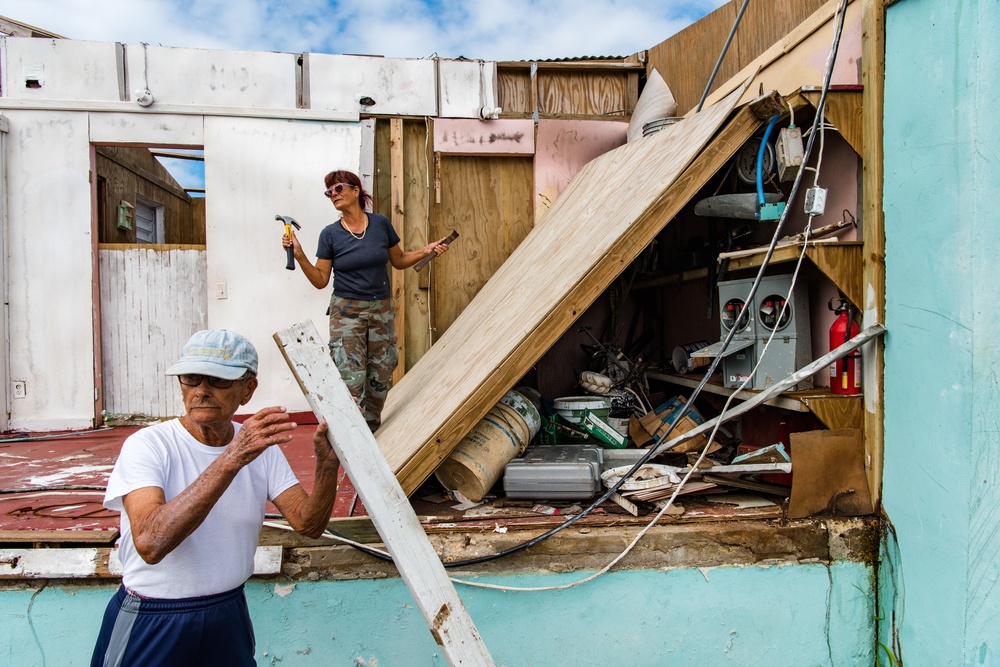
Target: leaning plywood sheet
x=611 y=210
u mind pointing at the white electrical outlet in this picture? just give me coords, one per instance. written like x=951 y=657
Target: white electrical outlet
x=815 y=201
x=221 y=291
x=19 y=388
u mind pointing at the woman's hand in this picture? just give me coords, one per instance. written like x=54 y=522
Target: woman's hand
x=292 y=242
x=438 y=247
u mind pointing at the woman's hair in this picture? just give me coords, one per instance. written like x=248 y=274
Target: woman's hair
x=349 y=177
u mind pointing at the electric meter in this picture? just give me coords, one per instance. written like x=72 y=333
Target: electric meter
x=769 y=310
x=733 y=310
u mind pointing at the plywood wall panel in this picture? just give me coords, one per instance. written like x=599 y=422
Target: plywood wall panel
x=60 y=69
x=487 y=201
x=587 y=93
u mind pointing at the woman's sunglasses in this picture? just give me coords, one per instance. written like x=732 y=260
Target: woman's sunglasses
x=338 y=188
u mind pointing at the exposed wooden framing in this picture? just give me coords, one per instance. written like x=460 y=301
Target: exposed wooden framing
x=566 y=262
x=418 y=564
x=843 y=109
x=94 y=562
x=398 y=219
x=873 y=234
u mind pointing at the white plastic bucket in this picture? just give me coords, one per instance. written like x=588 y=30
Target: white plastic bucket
x=574 y=408
x=478 y=462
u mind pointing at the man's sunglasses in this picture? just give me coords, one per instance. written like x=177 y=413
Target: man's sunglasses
x=338 y=188
x=193 y=380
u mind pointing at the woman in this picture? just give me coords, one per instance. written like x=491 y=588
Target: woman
x=355 y=250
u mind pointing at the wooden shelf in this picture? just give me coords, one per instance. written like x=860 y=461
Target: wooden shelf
x=840 y=261
x=834 y=410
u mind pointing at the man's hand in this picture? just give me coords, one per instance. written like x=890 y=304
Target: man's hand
x=267 y=427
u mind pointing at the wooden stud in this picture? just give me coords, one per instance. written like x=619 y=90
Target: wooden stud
x=390 y=510
x=399 y=223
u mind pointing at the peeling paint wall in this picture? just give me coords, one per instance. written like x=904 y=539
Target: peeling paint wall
x=942 y=396
x=794 y=615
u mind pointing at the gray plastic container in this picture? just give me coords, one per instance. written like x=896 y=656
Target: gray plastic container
x=555 y=472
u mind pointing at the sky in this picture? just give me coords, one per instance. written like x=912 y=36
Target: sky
x=498 y=30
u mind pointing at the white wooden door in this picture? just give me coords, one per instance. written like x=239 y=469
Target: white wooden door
x=152 y=300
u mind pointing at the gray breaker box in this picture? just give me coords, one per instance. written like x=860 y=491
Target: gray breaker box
x=555 y=472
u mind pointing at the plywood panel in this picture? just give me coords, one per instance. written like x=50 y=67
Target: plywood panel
x=487 y=201
x=610 y=211
x=564 y=147
x=466 y=86
x=588 y=93
x=514 y=91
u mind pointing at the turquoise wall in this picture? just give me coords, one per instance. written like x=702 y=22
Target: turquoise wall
x=942 y=405
x=792 y=615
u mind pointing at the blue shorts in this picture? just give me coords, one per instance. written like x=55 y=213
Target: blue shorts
x=210 y=630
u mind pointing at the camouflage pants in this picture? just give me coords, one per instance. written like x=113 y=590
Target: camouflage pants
x=363 y=346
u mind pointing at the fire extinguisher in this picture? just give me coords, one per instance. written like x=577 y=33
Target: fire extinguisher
x=845 y=373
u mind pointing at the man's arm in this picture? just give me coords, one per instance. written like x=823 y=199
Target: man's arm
x=309 y=513
x=159 y=526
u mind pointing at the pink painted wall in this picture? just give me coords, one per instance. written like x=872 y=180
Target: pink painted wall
x=563 y=147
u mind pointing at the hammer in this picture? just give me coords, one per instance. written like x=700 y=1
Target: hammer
x=290 y=251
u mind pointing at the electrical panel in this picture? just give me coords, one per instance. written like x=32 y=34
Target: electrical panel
x=758 y=321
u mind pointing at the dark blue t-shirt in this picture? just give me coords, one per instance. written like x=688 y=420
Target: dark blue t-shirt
x=359 y=265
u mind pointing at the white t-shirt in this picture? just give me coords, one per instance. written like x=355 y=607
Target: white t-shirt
x=218 y=555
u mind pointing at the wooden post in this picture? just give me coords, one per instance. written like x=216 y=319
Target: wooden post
x=399 y=223
x=873 y=234
x=389 y=508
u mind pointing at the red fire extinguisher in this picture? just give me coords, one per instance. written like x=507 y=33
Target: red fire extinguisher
x=845 y=373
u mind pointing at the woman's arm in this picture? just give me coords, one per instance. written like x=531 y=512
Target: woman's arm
x=404 y=260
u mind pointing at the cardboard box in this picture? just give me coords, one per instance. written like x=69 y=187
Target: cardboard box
x=655 y=424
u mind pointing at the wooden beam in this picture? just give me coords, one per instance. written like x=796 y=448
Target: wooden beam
x=390 y=510
x=399 y=223
x=843 y=109
x=873 y=233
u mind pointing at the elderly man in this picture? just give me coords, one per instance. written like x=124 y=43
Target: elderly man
x=192 y=493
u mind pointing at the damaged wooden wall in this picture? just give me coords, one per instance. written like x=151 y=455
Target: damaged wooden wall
x=686 y=60
x=487 y=200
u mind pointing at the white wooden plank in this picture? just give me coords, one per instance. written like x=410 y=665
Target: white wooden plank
x=390 y=510
x=65 y=69
x=466 y=86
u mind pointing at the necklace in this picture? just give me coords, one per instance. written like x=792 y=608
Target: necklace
x=363 y=231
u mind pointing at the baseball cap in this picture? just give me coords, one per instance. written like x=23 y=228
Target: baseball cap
x=216 y=353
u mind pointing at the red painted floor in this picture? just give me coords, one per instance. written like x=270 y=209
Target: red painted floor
x=56 y=481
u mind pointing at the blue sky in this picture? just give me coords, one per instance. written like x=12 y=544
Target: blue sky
x=488 y=30
x=491 y=30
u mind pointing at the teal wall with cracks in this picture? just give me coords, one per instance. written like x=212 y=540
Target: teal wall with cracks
x=802 y=615
x=939 y=601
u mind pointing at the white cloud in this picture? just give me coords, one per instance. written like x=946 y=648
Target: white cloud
x=508 y=30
